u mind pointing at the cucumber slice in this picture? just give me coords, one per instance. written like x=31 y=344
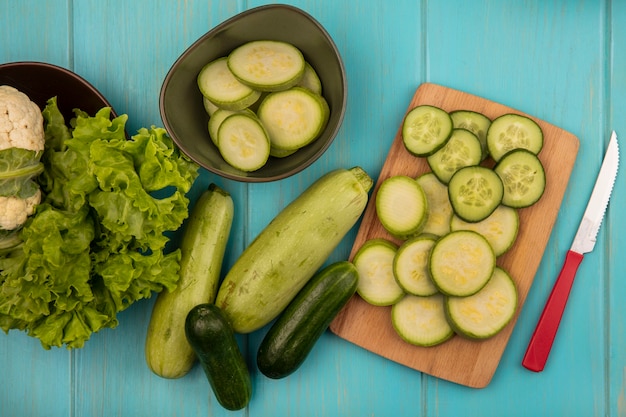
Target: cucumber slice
x=401 y=206
x=513 y=131
x=374 y=262
x=462 y=149
x=220 y=86
x=439 y=207
x=243 y=142
x=475 y=122
x=475 y=192
x=500 y=228
x=523 y=176
x=410 y=266
x=310 y=79
x=293 y=118
x=218 y=117
x=487 y=312
x=461 y=263
x=421 y=321
x=425 y=130
x=267 y=65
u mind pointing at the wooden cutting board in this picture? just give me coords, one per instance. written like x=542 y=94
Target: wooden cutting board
x=466 y=362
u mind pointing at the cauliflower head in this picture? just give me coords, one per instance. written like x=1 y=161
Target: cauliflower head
x=21 y=121
x=14 y=211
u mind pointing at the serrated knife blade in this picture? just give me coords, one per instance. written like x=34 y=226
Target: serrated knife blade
x=541 y=341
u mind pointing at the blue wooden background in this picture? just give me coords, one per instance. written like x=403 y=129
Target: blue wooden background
x=563 y=61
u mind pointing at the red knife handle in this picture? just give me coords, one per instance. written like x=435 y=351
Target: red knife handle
x=548 y=324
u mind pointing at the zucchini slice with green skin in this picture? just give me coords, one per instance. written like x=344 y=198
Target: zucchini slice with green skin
x=475 y=122
x=421 y=321
x=500 y=228
x=220 y=87
x=425 y=130
x=203 y=245
x=475 y=192
x=523 y=176
x=292 y=248
x=461 y=263
x=513 y=131
x=293 y=335
x=486 y=313
x=377 y=283
x=462 y=149
x=293 y=118
x=267 y=65
x=212 y=338
x=310 y=79
x=401 y=206
x=219 y=115
x=439 y=207
x=410 y=266
x=243 y=142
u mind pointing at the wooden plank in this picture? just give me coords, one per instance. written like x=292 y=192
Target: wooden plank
x=460 y=360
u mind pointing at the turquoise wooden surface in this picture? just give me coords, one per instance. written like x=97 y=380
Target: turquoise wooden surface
x=562 y=60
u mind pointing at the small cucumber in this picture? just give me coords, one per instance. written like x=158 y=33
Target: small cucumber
x=523 y=177
x=202 y=250
x=291 y=248
x=212 y=338
x=462 y=149
x=475 y=122
x=475 y=192
x=291 y=338
x=513 y=131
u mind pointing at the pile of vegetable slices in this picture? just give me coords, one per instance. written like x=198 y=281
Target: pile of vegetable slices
x=453 y=223
x=263 y=99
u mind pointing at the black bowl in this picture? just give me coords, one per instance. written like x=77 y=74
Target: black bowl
x=183 y=112
x=41 y=81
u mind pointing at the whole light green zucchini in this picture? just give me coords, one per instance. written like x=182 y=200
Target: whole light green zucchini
x=202 y=250
x=292 y=247
x=292 y=336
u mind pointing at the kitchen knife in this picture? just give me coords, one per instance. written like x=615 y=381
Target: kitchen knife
x=584 y=242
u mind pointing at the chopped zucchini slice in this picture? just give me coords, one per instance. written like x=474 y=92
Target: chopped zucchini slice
x=421 y=321
x=374 y=262
x=293 y=118
x=475 y=122
x=487 y=312
x=461 y=263
x=475 y=192
x=218 y=117
x=439 y=207
x=220 y=86
x=310 y=79
x=410 y=266
x=425 y=130
x=523 y=177
x=267 y=65
x=462 y=149
x=243 y=142
x=513 y=131
x=500 y=228
x=401 y=206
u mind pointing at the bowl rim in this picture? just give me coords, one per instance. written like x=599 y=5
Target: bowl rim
x=216 y=29
x=65 y=71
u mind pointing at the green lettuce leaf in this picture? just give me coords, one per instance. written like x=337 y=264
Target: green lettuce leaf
x=98 y=241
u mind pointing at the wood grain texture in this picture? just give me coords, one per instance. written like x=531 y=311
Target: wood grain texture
x=459 y=360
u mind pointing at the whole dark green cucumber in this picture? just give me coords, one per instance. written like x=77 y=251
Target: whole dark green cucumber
x=291 y=338
x=292 y=247
x=211 y=337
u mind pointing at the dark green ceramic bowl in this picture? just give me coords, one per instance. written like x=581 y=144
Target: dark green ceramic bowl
x=181 y=104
